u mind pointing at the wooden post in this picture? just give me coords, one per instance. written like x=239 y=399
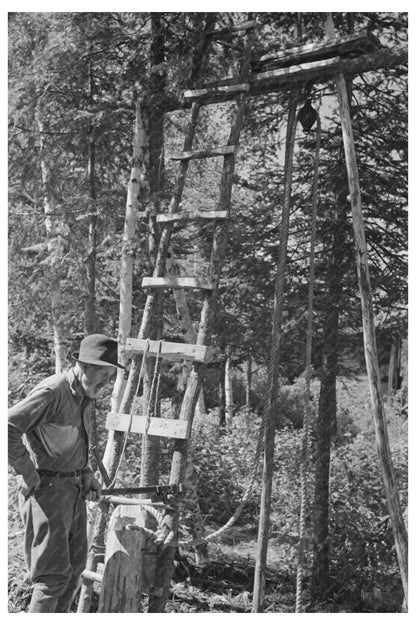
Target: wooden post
x=122 y=582
x=273 y=370
x=369 y=335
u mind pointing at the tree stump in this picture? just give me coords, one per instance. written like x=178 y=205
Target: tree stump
x=122 y=582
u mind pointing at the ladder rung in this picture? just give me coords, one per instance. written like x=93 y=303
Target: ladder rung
x=222 y=150
x=173 y=282
x=165 y=217
x=167 y=428
x=91 y=576
x=234 y=29
x=170 y=351
x=125 y=501
x=221 y=89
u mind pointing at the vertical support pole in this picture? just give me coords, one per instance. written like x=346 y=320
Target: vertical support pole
x=273 y=370
x=369 y=335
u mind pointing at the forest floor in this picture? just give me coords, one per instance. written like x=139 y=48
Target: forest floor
x=223 y=584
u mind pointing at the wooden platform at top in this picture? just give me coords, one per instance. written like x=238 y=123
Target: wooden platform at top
x=301 y=69
x=170 y=351
x=348 y=45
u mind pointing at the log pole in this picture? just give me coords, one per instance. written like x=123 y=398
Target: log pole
x=369 y=335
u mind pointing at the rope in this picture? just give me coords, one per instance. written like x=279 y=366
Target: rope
x=308 y=375
x=273 y=369
x=131 y=416
x=156 y=373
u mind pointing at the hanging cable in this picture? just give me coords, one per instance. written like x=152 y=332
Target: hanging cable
x=308 y=375
x=156 y=376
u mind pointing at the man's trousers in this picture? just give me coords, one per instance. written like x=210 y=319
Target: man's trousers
x=55 y=541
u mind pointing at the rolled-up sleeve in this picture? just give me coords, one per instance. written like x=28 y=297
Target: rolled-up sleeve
x=23 y=417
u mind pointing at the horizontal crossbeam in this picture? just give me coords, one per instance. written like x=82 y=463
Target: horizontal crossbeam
x=166 y=428
x=170 y=351
x=223 y=150
x=336 y=46
x=174 y=282
x=188 y=215
x=233 y=29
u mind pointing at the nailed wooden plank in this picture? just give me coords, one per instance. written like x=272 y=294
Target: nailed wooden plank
x=223 y=150
x=312 y=68
x=233 y=29
x=225 y=89
x=169 y=350
x=175 y=282
x=167 y=428
x=188 y=215
x=336 y=46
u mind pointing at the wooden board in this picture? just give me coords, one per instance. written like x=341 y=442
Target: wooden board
x=166 y=217
x=337 y=46
x=170 y=351
x=167 y=428
x=174 y=282
x=226 y=89
x=234 y=29
x=209 y=153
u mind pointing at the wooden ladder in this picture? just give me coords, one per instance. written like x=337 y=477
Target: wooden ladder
x=128 y=572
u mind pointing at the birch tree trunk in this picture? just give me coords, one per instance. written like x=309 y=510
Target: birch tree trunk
x=228 y=391
x=89 y=314
x=54 y=229
x=136 y=190
x=249 y=378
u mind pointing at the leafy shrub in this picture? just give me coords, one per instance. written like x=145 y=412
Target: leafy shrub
x=362 y=546
x=223 y=462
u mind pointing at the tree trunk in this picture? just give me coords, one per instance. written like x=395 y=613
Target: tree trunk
x=394 y=366
x=89 y=314
x=369 y=335
x=326 y=421
x=404 y=373
x=249 y=378
x=222 y=400
x=54 y=228
x=136 y=190
x=228 y=392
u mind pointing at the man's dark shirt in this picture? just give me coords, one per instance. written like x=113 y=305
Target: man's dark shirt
x=55 y=425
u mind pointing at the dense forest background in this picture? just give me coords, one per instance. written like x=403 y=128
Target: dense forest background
x=74 y=83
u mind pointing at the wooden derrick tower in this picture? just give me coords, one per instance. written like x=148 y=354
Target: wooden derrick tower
x=139 y=560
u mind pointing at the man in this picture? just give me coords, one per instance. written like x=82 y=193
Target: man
x=48 y=448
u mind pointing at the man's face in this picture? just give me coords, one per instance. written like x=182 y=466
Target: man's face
x=95 y=377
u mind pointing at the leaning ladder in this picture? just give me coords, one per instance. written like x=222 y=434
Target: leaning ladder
x=125 y=576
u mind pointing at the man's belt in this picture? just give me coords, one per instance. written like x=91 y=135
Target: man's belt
x=75 y=473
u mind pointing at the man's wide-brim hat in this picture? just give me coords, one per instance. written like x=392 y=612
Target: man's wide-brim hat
x=98 y=349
